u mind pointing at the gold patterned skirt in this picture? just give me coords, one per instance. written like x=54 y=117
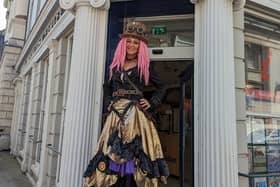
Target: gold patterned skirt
x=128 y=145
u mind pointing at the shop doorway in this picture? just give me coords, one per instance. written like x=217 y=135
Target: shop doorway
x=170 y=29
x=174 y=118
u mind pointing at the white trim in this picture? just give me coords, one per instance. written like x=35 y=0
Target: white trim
x=262 y=15
x=249 y=37
x=273 y=4
x=255 y=114
x=169 y=17
x=172 y=53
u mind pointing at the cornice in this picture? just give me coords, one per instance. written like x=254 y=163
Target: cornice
x=44 y=24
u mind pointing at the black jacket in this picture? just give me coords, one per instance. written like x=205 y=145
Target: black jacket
x=119 y=81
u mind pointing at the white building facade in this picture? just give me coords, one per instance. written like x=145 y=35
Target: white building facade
x=219 y=122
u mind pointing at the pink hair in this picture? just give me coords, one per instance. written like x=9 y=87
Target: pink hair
x=143 y=59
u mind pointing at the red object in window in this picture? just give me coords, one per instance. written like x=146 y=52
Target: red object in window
x=265 y=75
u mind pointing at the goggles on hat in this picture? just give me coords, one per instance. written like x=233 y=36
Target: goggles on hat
x=132 y=28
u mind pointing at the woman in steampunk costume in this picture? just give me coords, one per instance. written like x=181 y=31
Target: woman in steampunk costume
x=129 y=152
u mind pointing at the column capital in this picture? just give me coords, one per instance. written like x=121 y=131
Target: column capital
x=71 y=4
x=237 y=4
x=52 y=44
x=18 y=79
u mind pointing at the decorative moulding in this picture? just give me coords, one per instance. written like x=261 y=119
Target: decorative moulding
x=67 y=4
x=70 y=4
x=97 y=3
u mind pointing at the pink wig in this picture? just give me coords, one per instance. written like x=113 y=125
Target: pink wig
x=143 y=59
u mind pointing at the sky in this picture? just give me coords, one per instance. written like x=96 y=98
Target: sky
x=2 y=15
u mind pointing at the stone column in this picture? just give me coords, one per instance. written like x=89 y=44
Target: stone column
x=215 y=139
x=84 y=103
x=16 y=115
x=44 y=164
x=28 y=132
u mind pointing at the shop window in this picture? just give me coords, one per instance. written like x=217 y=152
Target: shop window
x=264 y=149
x=263 y=111
x=262 y=79
x=264 y=144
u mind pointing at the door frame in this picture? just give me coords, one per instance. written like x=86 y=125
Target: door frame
x=180 y=54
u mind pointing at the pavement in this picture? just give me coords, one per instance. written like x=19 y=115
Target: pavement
x=10 y=173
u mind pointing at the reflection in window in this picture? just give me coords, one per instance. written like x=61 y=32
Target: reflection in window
x=262 y=79
x=169 y=31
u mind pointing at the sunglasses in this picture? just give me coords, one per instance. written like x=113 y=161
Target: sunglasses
x=132 y=28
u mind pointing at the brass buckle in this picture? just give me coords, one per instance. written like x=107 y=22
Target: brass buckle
x=122 y=92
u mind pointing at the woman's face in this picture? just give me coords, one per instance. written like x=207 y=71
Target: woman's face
x=132 y=46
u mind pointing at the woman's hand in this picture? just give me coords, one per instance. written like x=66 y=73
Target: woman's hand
x=110 y=106
x=145 y=104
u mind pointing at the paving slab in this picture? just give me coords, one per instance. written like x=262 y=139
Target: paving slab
x=10 y=173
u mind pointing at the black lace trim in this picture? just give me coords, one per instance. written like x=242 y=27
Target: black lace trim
x=127 y=151
x=130 y=151
x=154 y=169
x=93 y=164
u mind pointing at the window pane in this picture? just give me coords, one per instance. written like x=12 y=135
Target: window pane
x=263 y=79
x=259 y=159
x=169 y=32
x=258 y=131
x=273 y=158
x=274 y=181
x=271 y=131
x=249 y=131
x=260 y=182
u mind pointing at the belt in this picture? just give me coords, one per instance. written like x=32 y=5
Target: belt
x=122 y=92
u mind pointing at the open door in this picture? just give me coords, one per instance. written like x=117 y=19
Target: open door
x=186 y=150
x=174 y=117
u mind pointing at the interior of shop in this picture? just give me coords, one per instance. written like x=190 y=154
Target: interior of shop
x=168 y=119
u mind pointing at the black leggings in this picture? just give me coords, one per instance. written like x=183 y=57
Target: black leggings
x=125 y=181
